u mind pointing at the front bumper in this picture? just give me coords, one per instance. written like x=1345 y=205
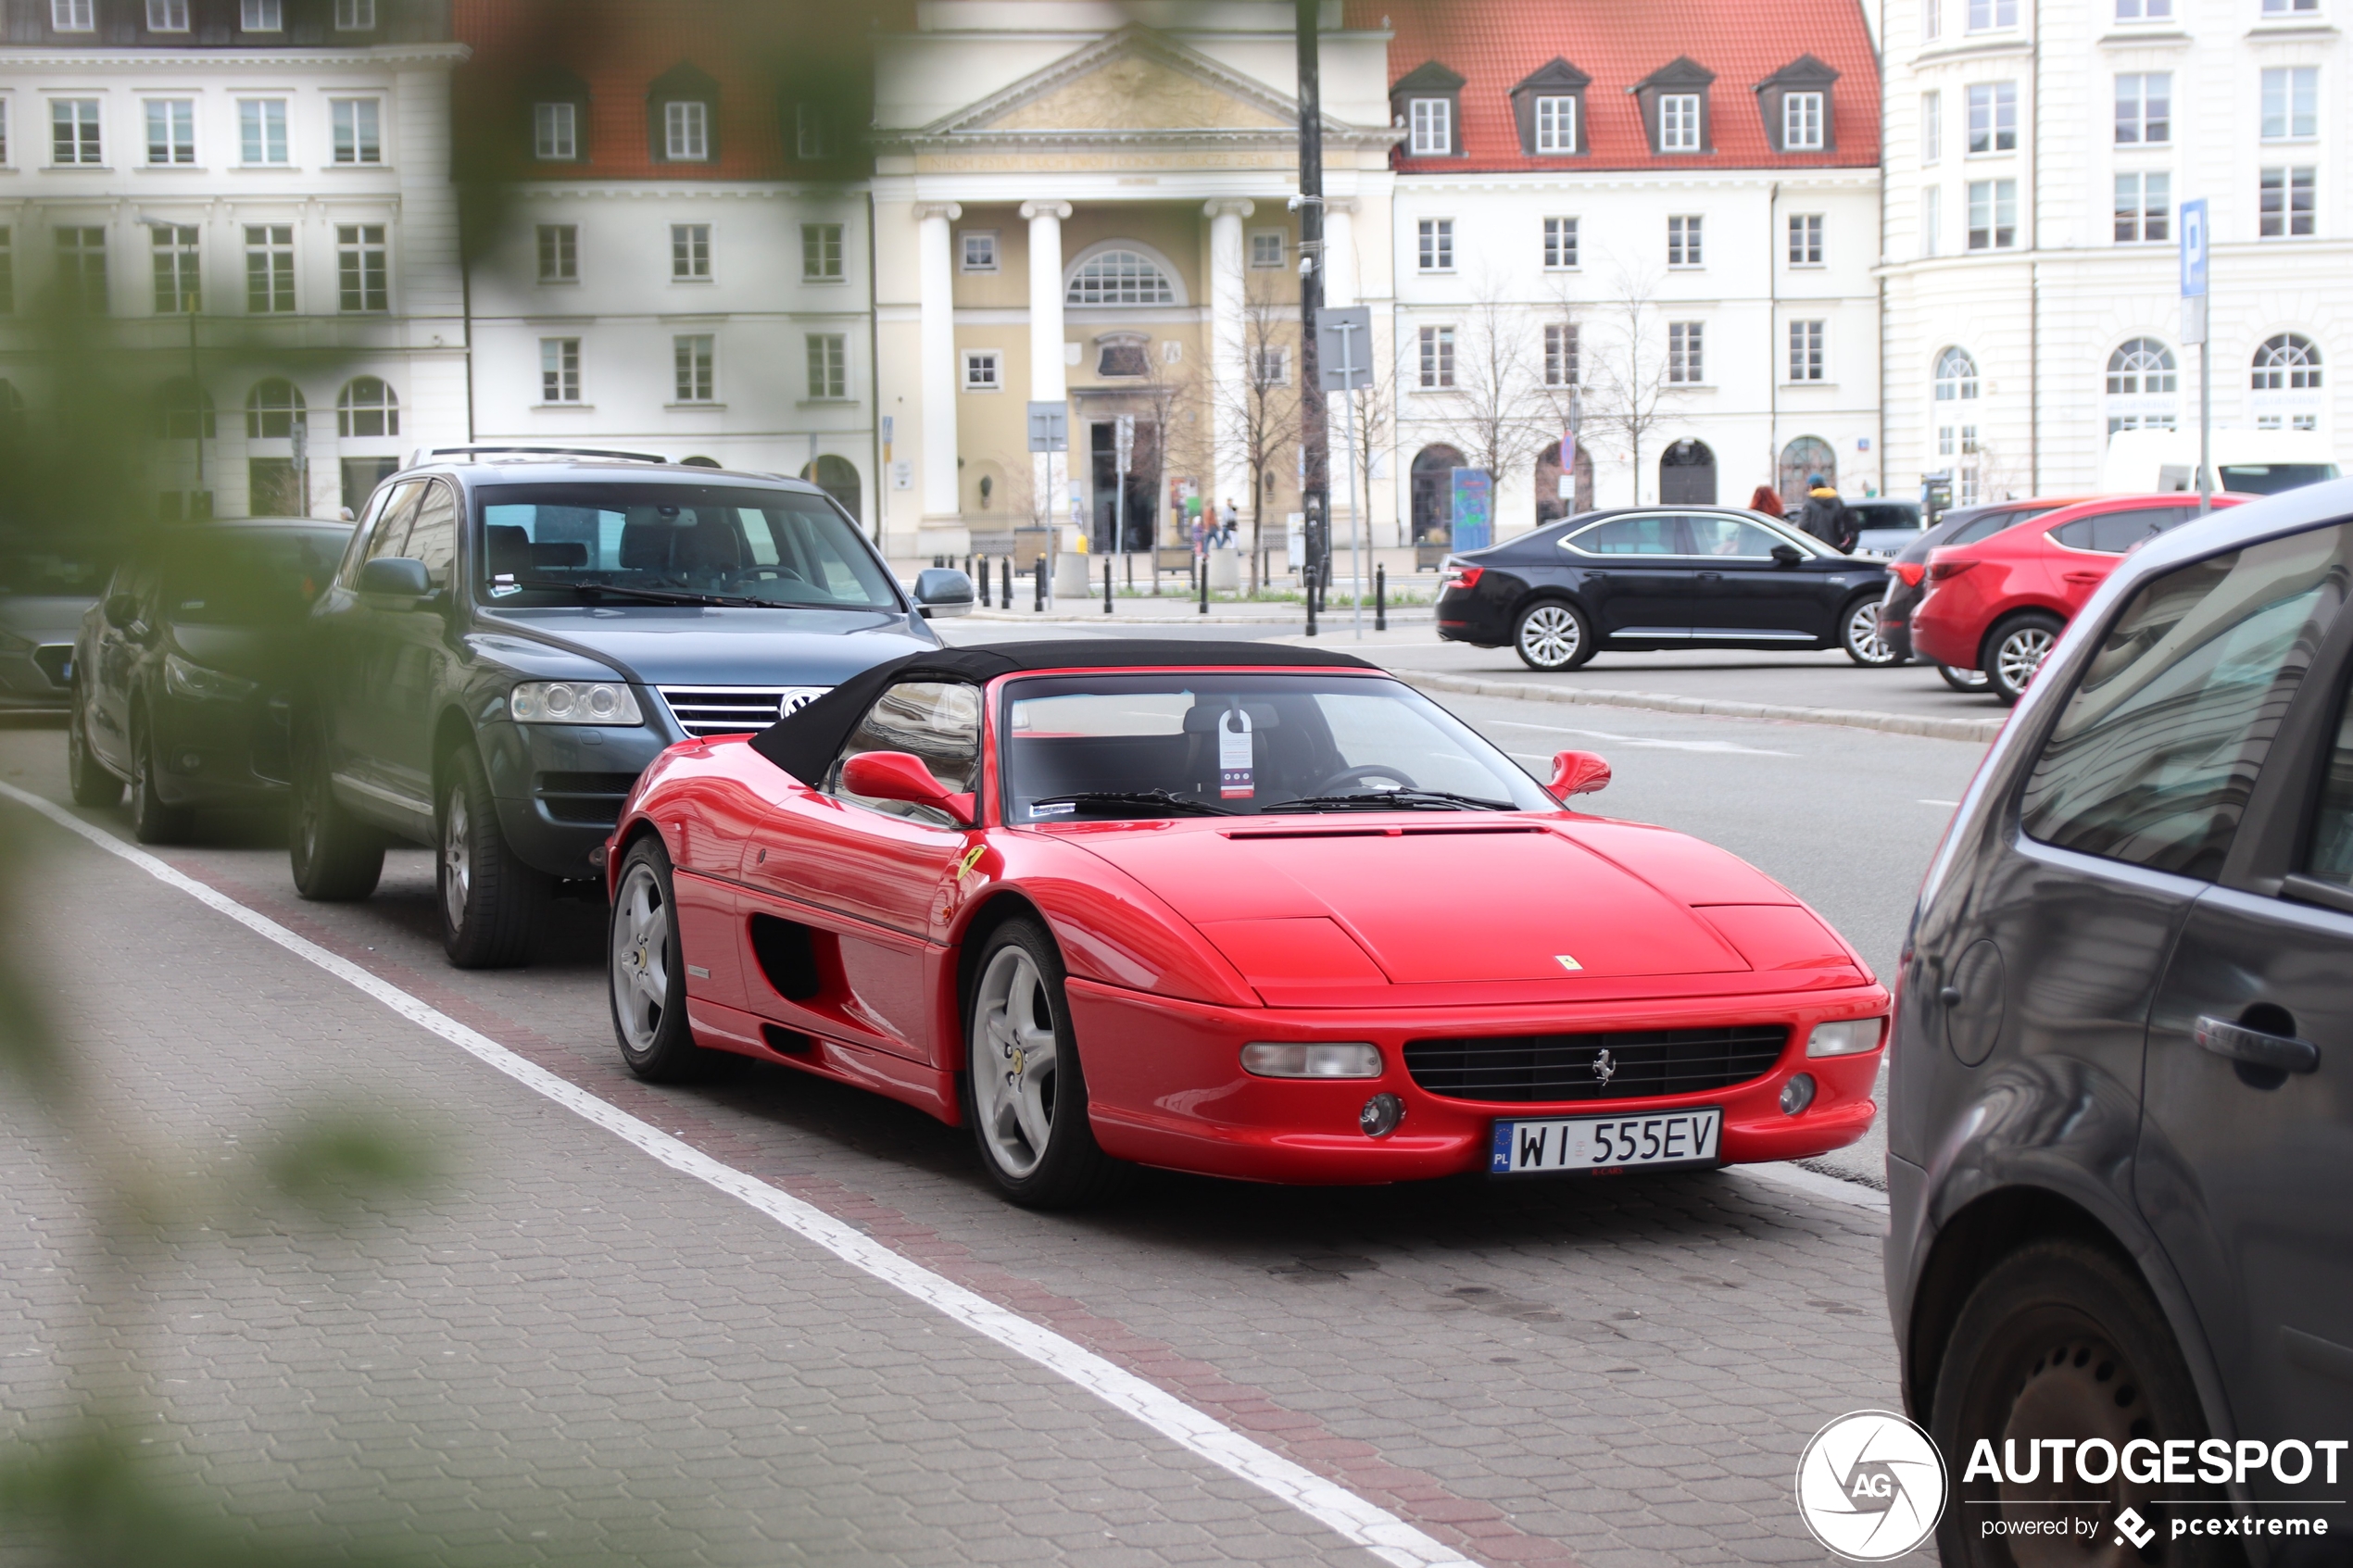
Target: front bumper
x=559 y=787
x=1165 y=1086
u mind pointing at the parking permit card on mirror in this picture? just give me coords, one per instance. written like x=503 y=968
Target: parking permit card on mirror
x=1234 y=757
x=1607 y=1143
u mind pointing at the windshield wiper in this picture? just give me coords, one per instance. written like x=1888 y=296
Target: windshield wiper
x=1394 y=800
x=650 y=596
x=1147 y=802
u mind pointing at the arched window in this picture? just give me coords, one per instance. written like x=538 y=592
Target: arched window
x=836 y=477
x=1119 y=277
x=271 y=409
x=1433 y=484
x=1687 y=474
x=2140 y=365
x=180 y=414
x=1955 y=375
x=367 y=407
x=2288 y=363
x=1801 y=459
x=1552 y=505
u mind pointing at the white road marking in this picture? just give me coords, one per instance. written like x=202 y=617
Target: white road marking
x=1948 y=803
x=1639 y=740
x=1366 y=1523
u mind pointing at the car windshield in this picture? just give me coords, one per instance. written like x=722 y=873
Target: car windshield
x=1081 y=746
x=2270 y=479
x=249 y=576
x=551 y=544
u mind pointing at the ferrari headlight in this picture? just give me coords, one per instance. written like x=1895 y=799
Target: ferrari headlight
x=1851 y=1038
x=574 y=702
x=1299 y=1059
x=193 y=681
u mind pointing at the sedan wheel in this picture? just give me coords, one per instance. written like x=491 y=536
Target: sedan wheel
x=1962 y=680
x=152 y=822
x=2018 y=651
x=1551 y=636
x=1860 y=636
x=647 y=982
x=1025 y=1094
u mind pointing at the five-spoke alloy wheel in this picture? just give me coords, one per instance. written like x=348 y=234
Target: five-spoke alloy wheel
x=1864 y=642
x=648 y=978
x=1025 y=1094
x=2016 y=651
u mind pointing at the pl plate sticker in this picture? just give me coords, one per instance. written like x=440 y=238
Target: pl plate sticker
x=1234 y=756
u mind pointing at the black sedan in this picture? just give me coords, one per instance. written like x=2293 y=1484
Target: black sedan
x=1647 y=578
x=182 y=671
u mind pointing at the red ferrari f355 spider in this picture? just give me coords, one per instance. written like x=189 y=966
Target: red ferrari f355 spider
x=1261 y=912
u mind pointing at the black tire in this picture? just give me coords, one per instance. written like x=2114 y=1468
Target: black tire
x=2061 y=1339
x=1961 y=680
x=1552 y=635
x=1859 y=636
x=1071 y=1170
x=334 y=857
x=90 y=780
x=153 y=819
x=646 y=973
x=492 y=905
x=2015 y=650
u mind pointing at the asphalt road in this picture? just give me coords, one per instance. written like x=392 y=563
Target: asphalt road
x=582 y=1346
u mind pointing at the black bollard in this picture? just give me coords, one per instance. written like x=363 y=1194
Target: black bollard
x=1380 y=598
x=1041 y=605
x=1005 y=575
x=1106 y=584
x=1204 y=583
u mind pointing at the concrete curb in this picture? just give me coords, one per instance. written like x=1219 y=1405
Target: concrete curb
x=1979 y=731
x=1097 y=617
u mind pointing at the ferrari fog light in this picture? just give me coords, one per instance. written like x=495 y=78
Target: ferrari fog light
x=1851 y=1038
x=573 y=702
x=1299 y=1059
x=1797 y=1094
x=1381 y=1115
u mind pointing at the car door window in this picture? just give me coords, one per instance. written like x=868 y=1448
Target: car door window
x=2153 y=757
x=2330 y=857
x=1984 y=527
x=2118 y=532
x=390 y=535
x=1730 y=537
x=1649 y=533
x=433 y=537
x=938 y=721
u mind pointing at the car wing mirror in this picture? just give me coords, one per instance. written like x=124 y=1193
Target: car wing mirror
x=900 y=775
x=1578 y=773
x=396 y=577
x=1787 y=555
x=942 y=590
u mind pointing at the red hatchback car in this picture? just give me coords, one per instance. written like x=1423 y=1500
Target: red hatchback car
x=1999 y=604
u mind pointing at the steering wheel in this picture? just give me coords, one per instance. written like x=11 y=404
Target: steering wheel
x=753 y=573
x=1358 y=775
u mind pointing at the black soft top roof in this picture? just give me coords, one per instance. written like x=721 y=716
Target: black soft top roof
x=804 y=744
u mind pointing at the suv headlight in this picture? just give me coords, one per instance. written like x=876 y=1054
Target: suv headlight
x=574 y=702
x=1851 y=1038
x=193 y=681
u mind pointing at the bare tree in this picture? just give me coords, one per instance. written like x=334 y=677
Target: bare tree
x=1629 y=395
x=1375 y=406
x=1496 y=414
x=1260 y=413
x=1169 y=436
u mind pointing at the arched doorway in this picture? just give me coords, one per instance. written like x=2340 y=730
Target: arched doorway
x=1550 y=505
x=1434 y=494
x=1687 y=475
x=836 y=477
x=1803 y=458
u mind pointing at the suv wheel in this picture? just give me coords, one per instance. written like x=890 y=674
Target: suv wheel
x=336 y=858
x=2016 y=651
x=491 y=902
x=1552 y=636
x=1859 y=634
x=152 y=821
x=85 y=775
x=2060 y=1341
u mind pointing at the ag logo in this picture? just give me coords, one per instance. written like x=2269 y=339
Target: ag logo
x=1871 y=1487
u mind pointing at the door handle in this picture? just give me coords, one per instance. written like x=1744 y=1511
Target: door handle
x=2277 y=1052
x=1711 y=577
x=2085 y=576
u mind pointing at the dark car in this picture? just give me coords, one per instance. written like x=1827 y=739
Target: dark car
x=1907 y=573
x=512 y=638
x=182 y=672
x=1883 y=527
x=1645 y=577
x=2121 y=1110
x=49 y=578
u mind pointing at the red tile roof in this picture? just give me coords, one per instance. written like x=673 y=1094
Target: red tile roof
x=1495 y=45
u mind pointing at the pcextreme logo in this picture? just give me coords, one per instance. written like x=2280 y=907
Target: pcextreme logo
x=1871 y=1487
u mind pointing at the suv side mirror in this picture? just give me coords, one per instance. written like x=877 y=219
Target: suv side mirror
x=1578 y=773
x=1787 y=555
x=901 y=775
x=121 y=609
x=396 y=577
x=941 y=590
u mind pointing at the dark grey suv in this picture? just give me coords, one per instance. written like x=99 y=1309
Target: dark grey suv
x=2121 y=1117
x=512 y=638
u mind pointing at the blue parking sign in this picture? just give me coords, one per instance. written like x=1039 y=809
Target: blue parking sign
x=2193 y=249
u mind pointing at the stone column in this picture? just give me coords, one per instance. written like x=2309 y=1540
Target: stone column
x=1339 y=250
x=935 y=294
x=1230 y=463
x=1047 y=381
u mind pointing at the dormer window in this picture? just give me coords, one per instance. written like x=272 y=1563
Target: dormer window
x=1678 y=122
x=1675 y=110
x=558 y=117
x=1801 y=122
x=682 y=114
x=1795 y=103
x=1428 y=103
x=1549 y=108
x=1432 y=120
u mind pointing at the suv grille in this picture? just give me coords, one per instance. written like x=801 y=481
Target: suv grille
x=735 y=710
x=1643 y=1063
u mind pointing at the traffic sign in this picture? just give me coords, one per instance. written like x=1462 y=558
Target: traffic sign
x=2193 y=249
x=1123 y=441
x=1344 y=348
x=1049 y=427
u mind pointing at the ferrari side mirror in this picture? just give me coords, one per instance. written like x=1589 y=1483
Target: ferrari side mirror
x=1578 y=773
x=900 y=775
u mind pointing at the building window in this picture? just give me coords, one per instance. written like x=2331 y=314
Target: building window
x=270 y=268
x=361 y=266
x=1563 y=363
x=1955 y=378
x=1560 y=244
x=1992 y=116
x=1557 y=125
x=81 y=269
x=171 y=130
x=821 y=253
x=554 y=132
x=1431 y=126
x=74 y=132
x=1683 y=240
x=262 y=16
x=355 y=16
x=1686 y=353
x=1931 y=127
x=2144 y=207
x=73 y=15
x=1806 y=350
x=1932 y=220
x=1984 y=15
x=1438 y=358
x=8 y=271
x=273 y=408
x=186 y=413
x=358 y=135
x=2291 y=103
x=261 y=130
x=167 y=16
x=2145 y=10
x=2288 y=363
x=1266 y=247
x=560 y=253
x=2139 y=368
x=2288 y=199
x=1993 y=214
x=691 y=355
x=1435 y=237
x=691 y=253
x=1269 y=366
x=1678 y=122
x=2291 y=7
x=811 y=139
x=1932 y=21
x=179 y=284
x=559 y=370
x=685 y=131
x=367 y=407
x=980 y=250
x=1805 y=239
x=828 y=365
x=983 y=370
x=1802 y=120
x=2143 y=108
x=1118 y=276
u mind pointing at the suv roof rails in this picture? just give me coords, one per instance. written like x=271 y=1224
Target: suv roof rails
x=471 y=452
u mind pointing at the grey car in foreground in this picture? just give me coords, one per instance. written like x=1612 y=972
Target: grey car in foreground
x=2120 y=1108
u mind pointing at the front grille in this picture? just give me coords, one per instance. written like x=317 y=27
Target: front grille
x=590 y=799
x=1643 y=1063
x=735 y=710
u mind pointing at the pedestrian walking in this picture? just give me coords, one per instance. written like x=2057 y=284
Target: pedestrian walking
x=1826 y=516
x=1767 y=500
x=1229 y=521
